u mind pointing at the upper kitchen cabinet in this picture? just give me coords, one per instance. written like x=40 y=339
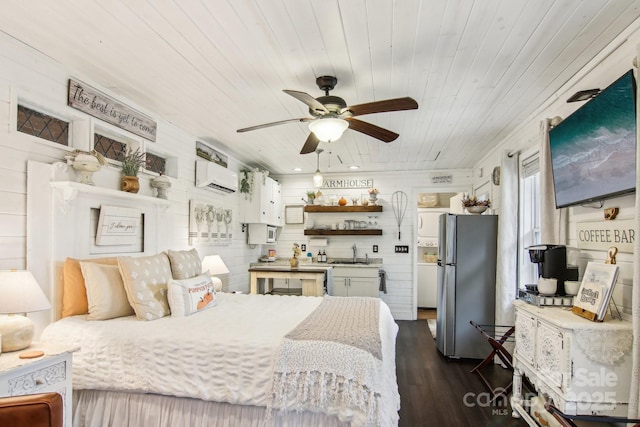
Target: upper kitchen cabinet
x=263 y=205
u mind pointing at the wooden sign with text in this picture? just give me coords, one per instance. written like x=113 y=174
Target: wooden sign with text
x=93 y=102
x=601 y=235
x=338 y=183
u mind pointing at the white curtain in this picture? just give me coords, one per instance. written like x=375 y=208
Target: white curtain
x=553 y=221
x=634 y=411
x=507 y=266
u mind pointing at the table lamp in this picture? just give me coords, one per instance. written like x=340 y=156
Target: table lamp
x=215 y=266
x=19 y=294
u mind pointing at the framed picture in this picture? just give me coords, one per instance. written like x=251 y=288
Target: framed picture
x=294 y=214
x=209 y=224
x=211 y=154
x=595 y=290
x=118 y=226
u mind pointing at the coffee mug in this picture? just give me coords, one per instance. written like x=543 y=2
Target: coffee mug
x=547 y=286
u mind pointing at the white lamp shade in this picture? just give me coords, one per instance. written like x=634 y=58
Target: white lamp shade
x=214 y=264
x=20 y=293
x=329 y=128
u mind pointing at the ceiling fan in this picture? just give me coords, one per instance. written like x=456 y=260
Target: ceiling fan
x=332 y=116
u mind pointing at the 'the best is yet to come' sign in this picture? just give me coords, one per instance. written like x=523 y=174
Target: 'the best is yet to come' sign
x=93 y=102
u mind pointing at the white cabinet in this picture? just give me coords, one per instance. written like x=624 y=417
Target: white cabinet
x=264 y=206
x=427 y=285
x=356 y=281
x=584 y=367
x=48 y=373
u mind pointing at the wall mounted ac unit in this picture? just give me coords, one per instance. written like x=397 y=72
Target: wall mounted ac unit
x=216 y=177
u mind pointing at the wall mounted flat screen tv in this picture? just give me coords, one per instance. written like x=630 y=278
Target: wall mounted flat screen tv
x=593 y=151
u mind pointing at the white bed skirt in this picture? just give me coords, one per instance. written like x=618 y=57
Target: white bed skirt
x=98 y=408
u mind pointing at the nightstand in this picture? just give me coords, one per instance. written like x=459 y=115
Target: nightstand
x=51 y=372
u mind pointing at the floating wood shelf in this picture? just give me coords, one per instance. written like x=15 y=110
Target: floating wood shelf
x=318 y=208
x=363 y=232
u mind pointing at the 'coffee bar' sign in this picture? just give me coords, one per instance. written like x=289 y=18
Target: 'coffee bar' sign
x=97 y=104
x=601 y=235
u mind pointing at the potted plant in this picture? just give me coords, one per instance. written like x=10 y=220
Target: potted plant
x=475 y=206
x=132 y=161
x=311 y=196
x=246 y=184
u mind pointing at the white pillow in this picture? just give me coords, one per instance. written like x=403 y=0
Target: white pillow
x=191 y=295
x=106 y=296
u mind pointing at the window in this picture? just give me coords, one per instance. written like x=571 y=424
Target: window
x=155 y=163
x=529 y=218
x=109 y=147
x=42 y=125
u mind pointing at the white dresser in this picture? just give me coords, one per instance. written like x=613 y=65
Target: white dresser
x=48 y=373
x=584 y=367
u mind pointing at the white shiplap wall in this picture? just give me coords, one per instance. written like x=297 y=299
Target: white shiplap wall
x=31 y=78
x=609 y=64
x=399 y=268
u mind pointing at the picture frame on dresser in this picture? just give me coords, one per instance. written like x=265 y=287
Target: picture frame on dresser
x=596 y=290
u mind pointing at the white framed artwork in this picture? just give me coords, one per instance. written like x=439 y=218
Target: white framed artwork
x=209 y=224
x=118 y=226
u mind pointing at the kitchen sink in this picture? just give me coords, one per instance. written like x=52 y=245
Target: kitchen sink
x=349 y=262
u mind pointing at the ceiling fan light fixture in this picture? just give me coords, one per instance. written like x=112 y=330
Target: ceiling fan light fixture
x=328 y=128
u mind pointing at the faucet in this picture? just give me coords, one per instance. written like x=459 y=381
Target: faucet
x=355 y=252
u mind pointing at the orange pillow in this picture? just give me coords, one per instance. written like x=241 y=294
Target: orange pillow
x=74 y=293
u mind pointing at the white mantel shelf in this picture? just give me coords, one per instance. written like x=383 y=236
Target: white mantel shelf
x=70 y=190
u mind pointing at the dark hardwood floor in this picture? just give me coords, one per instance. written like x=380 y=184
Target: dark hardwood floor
x=436 y=391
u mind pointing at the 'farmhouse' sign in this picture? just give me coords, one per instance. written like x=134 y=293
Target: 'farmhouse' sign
x=96 y=103
x=600 y=235
x=347 y=183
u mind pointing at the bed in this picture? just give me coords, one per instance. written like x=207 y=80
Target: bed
x=252 y=360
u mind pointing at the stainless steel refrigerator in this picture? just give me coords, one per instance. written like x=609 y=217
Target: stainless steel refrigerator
x=466 y=283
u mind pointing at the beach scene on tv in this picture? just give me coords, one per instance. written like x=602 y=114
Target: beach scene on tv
x=593 y=151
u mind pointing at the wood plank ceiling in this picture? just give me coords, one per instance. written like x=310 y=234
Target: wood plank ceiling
x=476 y=68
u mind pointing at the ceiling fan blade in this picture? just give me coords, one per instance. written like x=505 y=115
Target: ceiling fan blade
x=397 y=104
x=310 y=144
x=372 y=130
x=266 y=125
x=313 y=103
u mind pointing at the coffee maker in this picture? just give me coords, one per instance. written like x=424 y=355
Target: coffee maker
x=552 y=263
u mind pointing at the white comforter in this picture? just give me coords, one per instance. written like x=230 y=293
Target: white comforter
x=223 y=354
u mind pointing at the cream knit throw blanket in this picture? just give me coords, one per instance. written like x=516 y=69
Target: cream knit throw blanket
x=332 y=362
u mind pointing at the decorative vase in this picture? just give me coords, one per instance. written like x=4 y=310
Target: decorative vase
x=85 y=165
x=130 y=184
x=476 y=210
x=294 y=262
x=162 y=184
x=373 y=198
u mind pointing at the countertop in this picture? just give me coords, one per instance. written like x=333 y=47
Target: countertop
x=283 y=263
